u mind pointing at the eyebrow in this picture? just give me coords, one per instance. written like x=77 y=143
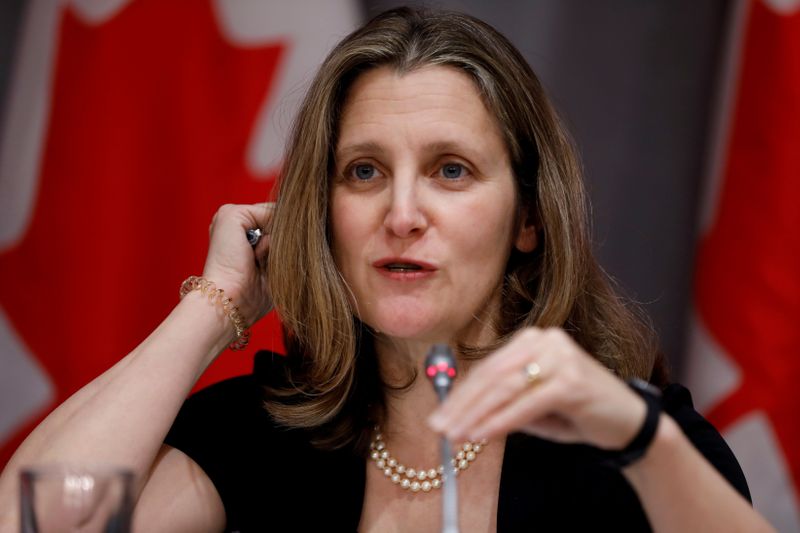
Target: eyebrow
x=434 y=147
x=369 y=146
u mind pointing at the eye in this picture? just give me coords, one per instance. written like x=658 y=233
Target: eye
x=453 y=171
x=363 y=172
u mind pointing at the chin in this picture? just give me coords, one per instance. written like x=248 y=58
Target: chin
x=413 y=323
x=406 y=328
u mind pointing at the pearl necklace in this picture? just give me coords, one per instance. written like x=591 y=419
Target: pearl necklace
x=419 y=480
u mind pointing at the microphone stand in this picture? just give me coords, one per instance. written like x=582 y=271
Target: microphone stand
x=450 y=494
x=441 y=368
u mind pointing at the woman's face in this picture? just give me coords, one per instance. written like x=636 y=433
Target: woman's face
x=423 y=205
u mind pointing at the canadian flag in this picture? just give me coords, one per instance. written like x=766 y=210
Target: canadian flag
x=128 y=123
x=744 y=360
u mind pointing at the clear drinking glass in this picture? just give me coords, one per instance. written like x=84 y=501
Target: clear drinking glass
x=62 y=498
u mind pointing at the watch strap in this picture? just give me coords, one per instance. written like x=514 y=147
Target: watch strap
x=638 y=446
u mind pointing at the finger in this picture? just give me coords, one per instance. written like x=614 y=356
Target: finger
x=516 y=385
x=489 y=389
x=262 y=247
x=485 y=386
x=550 y=348
x=462 y=421
x=231 y=220
x=526 y=410
x=258 y=215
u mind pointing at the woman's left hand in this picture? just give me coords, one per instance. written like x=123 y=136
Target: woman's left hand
x=565 y=395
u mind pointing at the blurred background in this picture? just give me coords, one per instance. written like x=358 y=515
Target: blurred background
x=125 y=123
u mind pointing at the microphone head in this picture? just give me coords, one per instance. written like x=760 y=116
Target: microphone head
x=440 y=367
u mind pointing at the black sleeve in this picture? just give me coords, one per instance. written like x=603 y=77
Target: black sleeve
x=221 y=428
x=267 y=475
x=677 y=402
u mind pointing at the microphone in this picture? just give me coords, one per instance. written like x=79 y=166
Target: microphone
x=440 y=367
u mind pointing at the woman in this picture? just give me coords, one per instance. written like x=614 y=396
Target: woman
x=429 y=195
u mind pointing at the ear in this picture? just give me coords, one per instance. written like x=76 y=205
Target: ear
x=527 y=234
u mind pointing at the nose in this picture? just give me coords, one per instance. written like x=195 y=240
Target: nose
x=405 y=216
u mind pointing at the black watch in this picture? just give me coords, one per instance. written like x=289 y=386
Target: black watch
x=641 y=442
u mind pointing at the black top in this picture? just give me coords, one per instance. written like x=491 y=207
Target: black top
x=271 y=479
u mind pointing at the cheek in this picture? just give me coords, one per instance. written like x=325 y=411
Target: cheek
x=487 y=234
x=347 y=229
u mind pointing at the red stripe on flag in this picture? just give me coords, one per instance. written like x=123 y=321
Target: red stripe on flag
x=748 y=274
x=151 y=117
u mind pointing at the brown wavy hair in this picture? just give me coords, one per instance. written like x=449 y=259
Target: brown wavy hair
x=332 y=384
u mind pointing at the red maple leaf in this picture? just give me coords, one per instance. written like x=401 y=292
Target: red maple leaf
x=151 y=115
x=748 y=277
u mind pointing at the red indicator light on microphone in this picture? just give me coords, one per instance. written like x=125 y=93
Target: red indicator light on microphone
x=440 y=367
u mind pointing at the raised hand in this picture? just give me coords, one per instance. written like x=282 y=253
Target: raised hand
x=236 y=267
x=544 y=384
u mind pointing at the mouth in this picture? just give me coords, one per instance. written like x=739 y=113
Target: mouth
x=403 y=266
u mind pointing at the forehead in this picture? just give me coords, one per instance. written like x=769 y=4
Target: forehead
x=433 y=104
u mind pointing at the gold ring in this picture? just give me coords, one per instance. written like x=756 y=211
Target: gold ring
x=533 y=373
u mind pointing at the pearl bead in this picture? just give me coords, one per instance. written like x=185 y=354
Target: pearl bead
x=420 y=480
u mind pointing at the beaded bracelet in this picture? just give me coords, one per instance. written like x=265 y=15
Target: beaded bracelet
x=215 y=295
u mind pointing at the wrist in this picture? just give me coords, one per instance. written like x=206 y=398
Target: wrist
x=226 y=308
x=641 y=441
x=210 y=316
x=665 y=440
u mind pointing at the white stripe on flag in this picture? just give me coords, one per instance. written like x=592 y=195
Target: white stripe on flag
x=755 y=445
x=309 y=39
x=24 y=388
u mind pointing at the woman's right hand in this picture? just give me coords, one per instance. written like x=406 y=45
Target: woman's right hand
x=236 y=267
x=122 y=416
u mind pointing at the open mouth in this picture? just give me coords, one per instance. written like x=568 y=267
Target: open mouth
x=402 y=267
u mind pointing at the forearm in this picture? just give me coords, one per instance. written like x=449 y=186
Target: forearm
x=681 y=491
x=122 y=416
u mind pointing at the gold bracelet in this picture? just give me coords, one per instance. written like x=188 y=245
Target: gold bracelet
x=215 y=295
